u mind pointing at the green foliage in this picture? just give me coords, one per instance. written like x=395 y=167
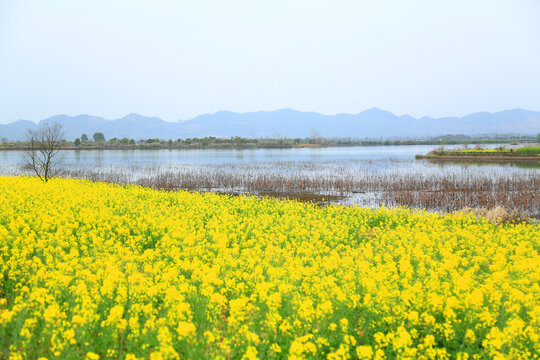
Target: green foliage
x=99 y=137
x=77 y=142
x=237 y=142
x=528 y=150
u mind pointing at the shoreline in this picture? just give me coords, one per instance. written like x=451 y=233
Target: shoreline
x=517 y=158
x=21 y=147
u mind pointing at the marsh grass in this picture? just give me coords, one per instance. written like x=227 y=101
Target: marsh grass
x=365 y=183
x=498 y=214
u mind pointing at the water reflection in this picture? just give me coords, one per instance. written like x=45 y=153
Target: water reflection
x=375 y=158
x=484 y=163
x=216 y=156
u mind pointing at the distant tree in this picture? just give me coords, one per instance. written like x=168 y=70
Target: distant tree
x=131 y=141
x=5 y=140
x=315 y=137
x=538 y=137
x=170 y=142
x=43 y=155
x=124 y=141
x=99 y=137
x=77 y=142
x=84 y=138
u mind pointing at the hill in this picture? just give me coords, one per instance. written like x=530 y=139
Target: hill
x=372 y=123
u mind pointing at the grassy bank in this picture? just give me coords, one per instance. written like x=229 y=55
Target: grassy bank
x=527 y=153
x=98 y=271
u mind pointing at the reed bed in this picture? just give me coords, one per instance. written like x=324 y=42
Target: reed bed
x=393 y=182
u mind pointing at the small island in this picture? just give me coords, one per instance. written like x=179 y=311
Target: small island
x=526 y=153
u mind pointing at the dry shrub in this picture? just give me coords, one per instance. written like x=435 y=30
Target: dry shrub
x=396 y=185
x=497 y=215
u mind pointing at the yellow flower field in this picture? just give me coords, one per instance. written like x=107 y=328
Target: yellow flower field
x=98 y=271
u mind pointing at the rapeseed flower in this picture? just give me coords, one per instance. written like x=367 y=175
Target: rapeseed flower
x=100 y=271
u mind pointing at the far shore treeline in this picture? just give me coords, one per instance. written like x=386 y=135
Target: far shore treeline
x=99 y=141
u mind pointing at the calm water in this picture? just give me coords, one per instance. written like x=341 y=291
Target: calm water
x=370 y=172
x=331 y=163
x=210 y=156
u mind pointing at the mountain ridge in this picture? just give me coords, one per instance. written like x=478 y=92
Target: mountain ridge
x=287 y=122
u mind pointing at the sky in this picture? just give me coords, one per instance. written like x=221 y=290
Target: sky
x=177 y=59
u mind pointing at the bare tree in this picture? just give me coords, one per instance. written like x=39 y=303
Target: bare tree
x=43 y=155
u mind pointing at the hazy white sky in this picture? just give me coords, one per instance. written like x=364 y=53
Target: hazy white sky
x=177 y=59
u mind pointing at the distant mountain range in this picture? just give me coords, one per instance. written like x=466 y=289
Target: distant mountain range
x=372 y=123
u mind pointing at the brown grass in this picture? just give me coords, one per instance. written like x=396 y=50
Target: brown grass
x=497 y=215
x=440 y=192
x=347 y=182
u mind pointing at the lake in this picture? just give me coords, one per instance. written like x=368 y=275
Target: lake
x=230 y=156
x=359 y=175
